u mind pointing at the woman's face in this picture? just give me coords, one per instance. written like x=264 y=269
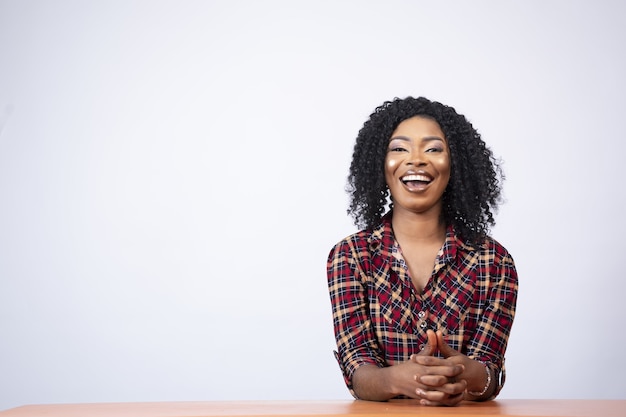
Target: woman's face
x=417 y=165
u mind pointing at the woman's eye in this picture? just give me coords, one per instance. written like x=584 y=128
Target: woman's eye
x=397 y=149
x=434 y=150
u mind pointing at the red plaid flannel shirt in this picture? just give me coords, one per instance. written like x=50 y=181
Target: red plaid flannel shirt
x=380 y=318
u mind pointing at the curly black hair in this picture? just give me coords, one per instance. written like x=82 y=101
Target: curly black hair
x=473 y=192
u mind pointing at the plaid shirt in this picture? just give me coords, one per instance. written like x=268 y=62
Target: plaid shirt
x=380 y=318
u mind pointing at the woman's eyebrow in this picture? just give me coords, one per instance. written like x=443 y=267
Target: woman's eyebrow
x=432 y=138
x=404 y=138
x=424 y=139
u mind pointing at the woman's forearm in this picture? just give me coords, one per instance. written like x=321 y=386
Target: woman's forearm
x=370 y=382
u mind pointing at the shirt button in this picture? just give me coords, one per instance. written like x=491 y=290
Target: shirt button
x=423 y=325
x=421 y=315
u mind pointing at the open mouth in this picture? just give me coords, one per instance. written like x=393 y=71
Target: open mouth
x=416 y=180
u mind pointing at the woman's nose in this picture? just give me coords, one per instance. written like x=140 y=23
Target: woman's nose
x=416 y=159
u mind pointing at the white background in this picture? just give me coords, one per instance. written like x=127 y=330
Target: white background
x=172 y=178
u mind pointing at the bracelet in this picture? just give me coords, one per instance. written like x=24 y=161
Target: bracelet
x=487 y=385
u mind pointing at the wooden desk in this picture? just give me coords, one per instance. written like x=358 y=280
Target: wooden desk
x=565 y=408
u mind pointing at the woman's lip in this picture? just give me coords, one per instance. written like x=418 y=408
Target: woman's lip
x=416 y=177
x=416 y=186
x=417 y=173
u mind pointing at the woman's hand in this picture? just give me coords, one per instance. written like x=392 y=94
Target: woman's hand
x=432 y=382
x=441 y=380
x=442 y=385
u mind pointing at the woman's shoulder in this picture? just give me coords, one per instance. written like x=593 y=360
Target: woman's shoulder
x=488 y=247
x=362 y=238
x=491 y=243
x=493 y=249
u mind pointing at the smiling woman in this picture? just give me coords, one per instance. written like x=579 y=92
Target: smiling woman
x=417 y=166
x=423 y=298
x=417 y=171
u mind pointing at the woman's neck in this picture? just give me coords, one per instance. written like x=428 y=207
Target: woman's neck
x=418 y=228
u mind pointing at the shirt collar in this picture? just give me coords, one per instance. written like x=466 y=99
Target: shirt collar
x=382 y=241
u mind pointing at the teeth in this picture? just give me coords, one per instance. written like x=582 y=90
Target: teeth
x=407 y=178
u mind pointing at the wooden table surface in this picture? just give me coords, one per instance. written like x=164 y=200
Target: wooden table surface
x=565 y=408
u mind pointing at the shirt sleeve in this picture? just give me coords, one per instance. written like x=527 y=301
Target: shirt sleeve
x=347 y=285
x=494 y=326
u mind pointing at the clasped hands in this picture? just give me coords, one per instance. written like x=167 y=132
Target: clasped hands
x=437 y=381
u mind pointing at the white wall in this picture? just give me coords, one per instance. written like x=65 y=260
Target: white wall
x=172 y=174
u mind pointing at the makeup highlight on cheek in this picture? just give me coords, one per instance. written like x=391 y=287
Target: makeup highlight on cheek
x=391 y=163
x=442 y=159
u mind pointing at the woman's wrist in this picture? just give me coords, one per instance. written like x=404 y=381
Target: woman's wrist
x=371 y=382
x=487 y=385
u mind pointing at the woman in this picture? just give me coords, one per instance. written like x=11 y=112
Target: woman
x=423 y=299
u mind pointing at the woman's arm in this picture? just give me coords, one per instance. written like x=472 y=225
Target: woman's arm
x=484 y=362
x=356 y=343
x=489 y=342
